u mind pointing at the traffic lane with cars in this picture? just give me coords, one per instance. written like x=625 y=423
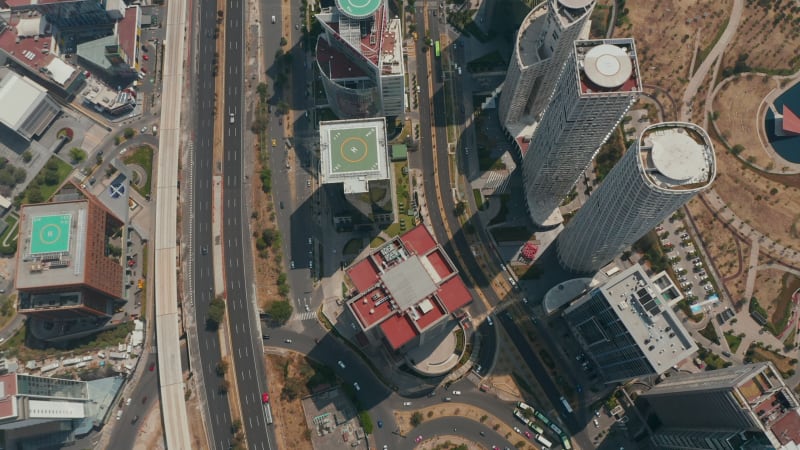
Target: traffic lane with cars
x=142 y=399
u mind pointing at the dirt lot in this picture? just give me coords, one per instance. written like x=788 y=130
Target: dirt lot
x=667 y=33
x=767 y=42
x=728 y=252
x=768 y=206
x=738 y=106
x=463 y=411
x=267 y=263
x=767 y=288
x=287 y=411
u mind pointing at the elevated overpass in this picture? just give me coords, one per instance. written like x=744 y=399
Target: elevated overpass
x=170 y=373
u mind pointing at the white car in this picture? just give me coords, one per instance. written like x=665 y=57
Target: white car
x=341 y=364
x=708 y=287
x=406 y=403
x=517 y=430
x=355 y=385
x=128 y=401
x=456 y=392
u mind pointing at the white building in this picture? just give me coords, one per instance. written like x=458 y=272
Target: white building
x=596 y=88
x=668 y=165
x=542 y=47
x=26 y=108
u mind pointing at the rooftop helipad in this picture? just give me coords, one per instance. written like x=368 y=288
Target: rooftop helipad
x=353 y=152
x=50 y=234
x=358 y=9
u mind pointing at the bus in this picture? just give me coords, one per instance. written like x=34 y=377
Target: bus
x=566 y=405
x=437 y=49
x=545 y=443
x=542 y=418
x=565 y=442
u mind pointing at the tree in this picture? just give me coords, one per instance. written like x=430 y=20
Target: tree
x=461 y=208
x=280 y=311
x=216 y=311
x=283 y=41
x=51 y=178
x=35 y=195
x=129 y=133
x=236 y=425
x=77 y=154
x=27 y=156
x=224 y=385
x=416 y=419
x=366 y=422
x=222 y=367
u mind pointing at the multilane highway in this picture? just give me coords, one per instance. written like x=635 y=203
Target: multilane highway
x=244 y=328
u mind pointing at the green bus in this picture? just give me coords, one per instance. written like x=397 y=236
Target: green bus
x=438 y=50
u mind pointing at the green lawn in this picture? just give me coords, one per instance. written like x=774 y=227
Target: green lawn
x=9 y=234
x=734 y=341
x=63 y=170
x=142 y=157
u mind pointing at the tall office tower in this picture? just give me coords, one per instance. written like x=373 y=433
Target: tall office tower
x=597 y=86
x=86 y=17
x=737 y=407
x=668 y=165
x=626 y=327
x=68 y=278
x=541 y=49
x=360 y=57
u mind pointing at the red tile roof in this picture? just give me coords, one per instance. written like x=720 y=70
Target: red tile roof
x=419 y=240
x=440 y=263
x=431 y=317
x=337 y=63
x=7 y=403
x=127 y=31
x=364 y=274
x=28 y=51
x=398 y=330
x=454 y=294
x=787 y=428
x=366 y=310
x=791 y=123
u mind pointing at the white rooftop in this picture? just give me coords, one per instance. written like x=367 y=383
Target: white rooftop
x=55 y=409
x=19 y=96
x=60 y=71
x=575 y=4
x=640 y=306
x=679 y=154
x=409 y=282
x=608 y=66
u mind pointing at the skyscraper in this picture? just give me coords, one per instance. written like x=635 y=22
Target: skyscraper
x=542 y=47
x=737 y=407
x=668 y=165
x=627 y=328
x=360 y=57
x=597 y=86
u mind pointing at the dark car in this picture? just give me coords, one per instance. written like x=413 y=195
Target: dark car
x=204 y=250
x=135 y=419
x=266 y=336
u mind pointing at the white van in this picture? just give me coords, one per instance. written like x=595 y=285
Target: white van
x=273 y=19
x=231 y=117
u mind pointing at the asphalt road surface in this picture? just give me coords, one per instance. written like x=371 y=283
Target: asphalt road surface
x=218 y=411
x=243 y=320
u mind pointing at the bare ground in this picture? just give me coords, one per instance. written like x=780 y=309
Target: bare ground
x=768 y=42
x=738 y=105
x=289 y=420
x=767 y=287
x=767 y=206
x=667 y=33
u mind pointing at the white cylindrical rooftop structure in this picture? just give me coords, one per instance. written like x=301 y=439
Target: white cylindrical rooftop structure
x=608 y=66
x=575 y=4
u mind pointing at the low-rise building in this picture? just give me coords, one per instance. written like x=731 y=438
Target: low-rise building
x=27 y=109
x=405 y=290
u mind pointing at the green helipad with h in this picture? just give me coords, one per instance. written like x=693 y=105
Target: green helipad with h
x=50 y=233
x=353 y=152
x=358 y=9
